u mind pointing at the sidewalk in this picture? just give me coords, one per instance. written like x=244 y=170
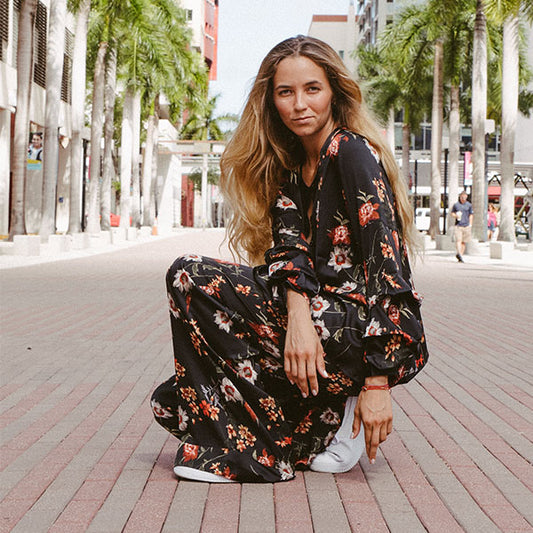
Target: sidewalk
x=86 y=339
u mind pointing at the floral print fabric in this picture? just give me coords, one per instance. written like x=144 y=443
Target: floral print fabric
x=229 y=402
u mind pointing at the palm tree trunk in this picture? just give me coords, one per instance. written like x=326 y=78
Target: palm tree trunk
x=155 y=160
x=455 y=133
x=54 y=72
x=436 y=140
x=77 y=109
x=20 y=140
x=479 y=113
x=108 y=167
x=147 y=219
x=93 y=221
x=135 y=185
x=406 y=146
x=509 y=117
x=125 y=159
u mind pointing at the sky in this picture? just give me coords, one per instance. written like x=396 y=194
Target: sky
x=248 y=29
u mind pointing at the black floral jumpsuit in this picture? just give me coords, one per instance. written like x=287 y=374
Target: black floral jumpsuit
x=229 y=402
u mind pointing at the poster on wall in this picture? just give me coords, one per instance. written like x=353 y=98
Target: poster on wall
x=468 y=169
x=35 y=151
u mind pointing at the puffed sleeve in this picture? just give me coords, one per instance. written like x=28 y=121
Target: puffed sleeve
x=289 y=261
x=393 y=341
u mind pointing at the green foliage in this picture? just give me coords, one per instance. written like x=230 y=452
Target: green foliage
x=213 y=177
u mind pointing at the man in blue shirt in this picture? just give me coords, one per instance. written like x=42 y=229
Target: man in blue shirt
x=464 y=214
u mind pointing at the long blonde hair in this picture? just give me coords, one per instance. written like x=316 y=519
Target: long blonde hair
x=263 y=150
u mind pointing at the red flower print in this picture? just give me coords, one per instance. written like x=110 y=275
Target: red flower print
x=387 y=251
x=394 y=314
x=265 y=459
x=340 y=235
x=396 y=239
x=190 y=452
x=367 y=212
x=333 y=148
x=227 y=473
x=305 y=425
x=391 y=281
x=286 y=441
x=264 y=331
x=209 y=410
x=243 y=289
x=231 y=431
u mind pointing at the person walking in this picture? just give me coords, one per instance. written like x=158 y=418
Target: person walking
x=464 y=215
x=288 y=364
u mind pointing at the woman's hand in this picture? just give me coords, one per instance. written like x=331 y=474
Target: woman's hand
x=303 y=354
x=374 y=410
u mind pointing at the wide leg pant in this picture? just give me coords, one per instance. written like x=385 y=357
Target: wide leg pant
x=229 y=402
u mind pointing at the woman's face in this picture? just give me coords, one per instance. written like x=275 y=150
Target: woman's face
x=302 y=96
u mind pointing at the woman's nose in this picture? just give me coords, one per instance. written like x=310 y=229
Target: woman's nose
x=299 y=101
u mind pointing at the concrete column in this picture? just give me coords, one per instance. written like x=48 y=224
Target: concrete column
x=5 y=143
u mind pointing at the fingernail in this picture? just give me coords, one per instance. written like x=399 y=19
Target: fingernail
x=352 y=436
x=291 y=381
x=304 y=395
x=372 y=461
x=326 y=374
x=314 y=392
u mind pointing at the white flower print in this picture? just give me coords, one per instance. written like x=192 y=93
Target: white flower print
x=285 y=203
x=330 y=417
x=270 y=347
x=340 y=258
x=230 y=392
x=159 y=410
x=276 y=266
x=173 y=307
x=321 y=329
x=288 y=231
x=348 y=286
x=182 y=419
x=222 y=320
x=285 y=469
x=373 y=151
x=318 y=306
x=183 y=281
x=372 y=300
x=192 y=257
x=246 y=370
x=373 y=329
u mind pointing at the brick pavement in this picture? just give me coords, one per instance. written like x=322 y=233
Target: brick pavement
x=84 y=342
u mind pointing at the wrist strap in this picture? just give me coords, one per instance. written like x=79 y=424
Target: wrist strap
x=375 y=387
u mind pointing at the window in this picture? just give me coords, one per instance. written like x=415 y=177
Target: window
x=341 y=54
x=66 y=79
x=39 y=54
x=4 y=29
x=188 y=15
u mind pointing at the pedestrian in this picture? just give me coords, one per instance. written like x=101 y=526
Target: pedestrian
x=289 y=364
x=492 y=221
x=464 y=214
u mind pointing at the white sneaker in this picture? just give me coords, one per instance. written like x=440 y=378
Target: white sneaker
x=193 y=474
x=343 y=452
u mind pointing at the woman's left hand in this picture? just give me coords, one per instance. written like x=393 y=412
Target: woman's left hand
x=374 y=410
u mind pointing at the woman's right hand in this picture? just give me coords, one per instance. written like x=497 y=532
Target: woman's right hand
x=303 y=354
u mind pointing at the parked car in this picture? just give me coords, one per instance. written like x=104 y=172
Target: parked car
x=422 y=219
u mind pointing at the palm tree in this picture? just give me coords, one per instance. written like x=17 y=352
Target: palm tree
x=392 y=83
x=20 y=142
x=54 y=71
x=479 y=114
x=78 y=110
x=109 y=127
x=97 y=113
x=507 y=13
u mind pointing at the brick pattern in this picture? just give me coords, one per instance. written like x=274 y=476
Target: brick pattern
x=85 y=341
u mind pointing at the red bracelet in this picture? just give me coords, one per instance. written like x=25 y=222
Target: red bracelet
x=375 y=387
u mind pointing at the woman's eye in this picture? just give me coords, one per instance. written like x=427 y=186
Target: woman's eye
x=313 y=89
x=284 y=92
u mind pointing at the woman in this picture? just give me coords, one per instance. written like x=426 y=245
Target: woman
x=268 y=359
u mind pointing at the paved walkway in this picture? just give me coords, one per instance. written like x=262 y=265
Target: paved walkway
x=84 y=342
